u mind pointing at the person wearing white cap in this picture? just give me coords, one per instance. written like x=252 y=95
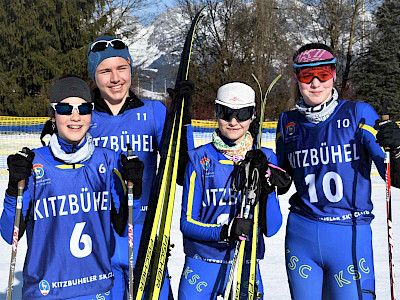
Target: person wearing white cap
x=210 y=207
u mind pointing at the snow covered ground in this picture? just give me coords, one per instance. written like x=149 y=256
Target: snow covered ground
x=272 y=267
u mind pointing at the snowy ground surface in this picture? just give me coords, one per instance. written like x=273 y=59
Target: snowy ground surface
x=272 y=267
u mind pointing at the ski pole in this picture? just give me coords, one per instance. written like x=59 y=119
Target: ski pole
x=130 y=225
x=18 y=212
x=239 y=253
x=235 y=271
x=389 y=218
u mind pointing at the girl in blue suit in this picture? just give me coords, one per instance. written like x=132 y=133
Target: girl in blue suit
x=210 y=208
x=70 y=204
x=327 y=145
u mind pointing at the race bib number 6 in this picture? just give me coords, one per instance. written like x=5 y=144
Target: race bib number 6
x=77 y=238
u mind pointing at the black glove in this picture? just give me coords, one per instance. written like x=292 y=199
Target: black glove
x=278 y=177
x=237 y=229
x=132 y=170
x=185 y=89
x=388 y=136
x=271 y=176
x=257 y=160
x=19 y=167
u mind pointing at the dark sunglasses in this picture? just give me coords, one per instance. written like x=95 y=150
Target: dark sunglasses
x=227 y=114
x=103 y=45
x=67 y=108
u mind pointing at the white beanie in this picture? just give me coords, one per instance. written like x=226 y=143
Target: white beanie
x=236 y=95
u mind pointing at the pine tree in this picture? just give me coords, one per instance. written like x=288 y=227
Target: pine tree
x=41 y=39
x=378 y=72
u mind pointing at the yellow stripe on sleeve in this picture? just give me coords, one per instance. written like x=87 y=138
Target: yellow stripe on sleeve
x=118 y=173
x=371 y=130
x=368 y=128
x=190 y=204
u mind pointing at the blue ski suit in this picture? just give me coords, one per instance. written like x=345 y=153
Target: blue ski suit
x=141 y=124
x=209 y=203
x=67 y=210
x=328 y=235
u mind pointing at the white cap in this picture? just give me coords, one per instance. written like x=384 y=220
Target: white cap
x=236 y=95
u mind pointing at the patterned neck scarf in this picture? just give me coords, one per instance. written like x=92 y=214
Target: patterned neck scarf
x=236 y=152
x=319 y=113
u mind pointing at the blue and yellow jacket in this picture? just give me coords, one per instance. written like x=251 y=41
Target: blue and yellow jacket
x=208 y=203
x=68 y=211
x=330 y=162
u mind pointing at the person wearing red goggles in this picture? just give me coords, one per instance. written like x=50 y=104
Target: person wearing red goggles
x=322 y=73
x=319 y=91
x=327 y=145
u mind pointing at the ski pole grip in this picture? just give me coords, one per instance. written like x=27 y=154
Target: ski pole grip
x=21 y=185
x=130 y=153
x=385 y=117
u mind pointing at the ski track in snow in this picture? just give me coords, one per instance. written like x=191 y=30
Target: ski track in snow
x=272 y=267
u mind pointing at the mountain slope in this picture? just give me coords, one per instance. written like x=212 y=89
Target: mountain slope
x=156 y=50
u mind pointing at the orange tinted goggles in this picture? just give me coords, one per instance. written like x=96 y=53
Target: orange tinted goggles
x=321 y=73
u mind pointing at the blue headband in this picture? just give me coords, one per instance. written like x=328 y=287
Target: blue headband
x=95 y=58
x=315 y=63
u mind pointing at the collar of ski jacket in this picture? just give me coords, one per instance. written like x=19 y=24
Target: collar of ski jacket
x=81 y=155
x=101 y=106
x=319 y=113
x=236 y=152
x=69 y=148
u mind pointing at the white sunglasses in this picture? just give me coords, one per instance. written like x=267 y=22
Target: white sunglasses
x=64 y=108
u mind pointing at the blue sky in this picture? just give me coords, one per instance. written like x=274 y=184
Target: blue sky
x=155 y=8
